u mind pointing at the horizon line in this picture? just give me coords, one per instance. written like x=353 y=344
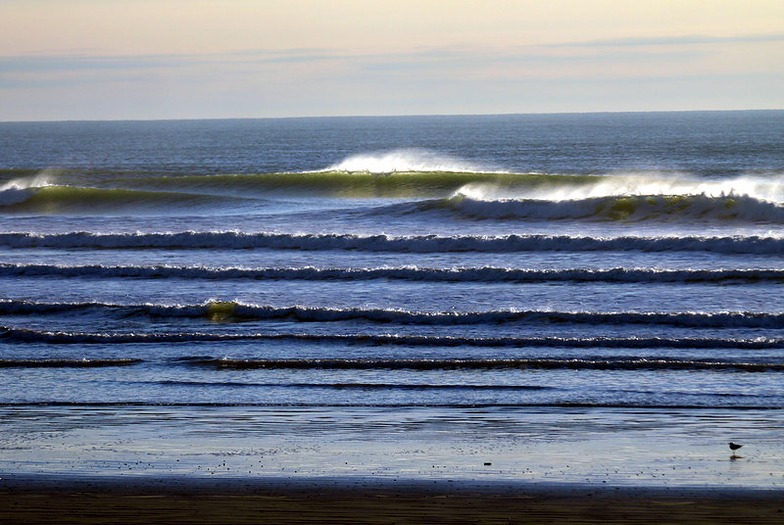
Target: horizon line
x=410 y=115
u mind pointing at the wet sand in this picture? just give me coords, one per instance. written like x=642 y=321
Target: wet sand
x=320 y=465
x=62 y=499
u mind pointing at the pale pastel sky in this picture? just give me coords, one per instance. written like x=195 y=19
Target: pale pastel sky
x=155 y=59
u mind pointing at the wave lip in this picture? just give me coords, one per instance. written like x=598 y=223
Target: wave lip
x=404 y=160
x=21 y=189
x=28 y=335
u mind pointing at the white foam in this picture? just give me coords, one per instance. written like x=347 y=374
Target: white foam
x=767 y=188
x=637 y=208
x=404 y=160
x=411 y=273
x=770 y=245
x=721 y=319
x=22 y=188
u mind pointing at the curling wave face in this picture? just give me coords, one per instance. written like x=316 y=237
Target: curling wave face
x=422 y=183
x=674 y=208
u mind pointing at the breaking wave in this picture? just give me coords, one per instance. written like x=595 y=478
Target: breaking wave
x=624 y=208
x=404 y=160
x=466 y=188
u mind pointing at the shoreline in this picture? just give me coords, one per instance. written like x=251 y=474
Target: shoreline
x=189 y=499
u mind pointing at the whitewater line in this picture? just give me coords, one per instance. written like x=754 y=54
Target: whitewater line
x=490 y=364
x=408 y=273
x=28 y=335
x=228 y=311
x=233 y=240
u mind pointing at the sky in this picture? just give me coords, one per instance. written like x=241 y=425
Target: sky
x=153 y=59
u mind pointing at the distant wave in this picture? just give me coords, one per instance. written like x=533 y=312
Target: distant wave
x=66 y=363
x=389 y=243
x=404 y=160
x=418 y=180
x=620 y=363
x=228 y=311
x=464 y=187
x=490 y=364
x=710 y=403
x=53 y=199
x=363 y=184
x=354 y=385
x=408 y=273
x=28 y=335
x=670 y=208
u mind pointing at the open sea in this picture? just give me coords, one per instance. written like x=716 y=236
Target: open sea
x=521 y=280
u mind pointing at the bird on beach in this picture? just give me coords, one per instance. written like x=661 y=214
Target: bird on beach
x=733 y=448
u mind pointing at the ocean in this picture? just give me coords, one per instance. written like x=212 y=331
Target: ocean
x=567 y=296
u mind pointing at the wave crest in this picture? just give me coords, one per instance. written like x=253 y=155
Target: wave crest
x=404 y=160
x=189 y=240
x=20 y=189
x=226 y=311
x=408 y=273
x=622 y=208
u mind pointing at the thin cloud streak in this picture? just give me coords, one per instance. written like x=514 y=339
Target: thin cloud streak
x=413 y=59
x=682 y=40
x=75 y=62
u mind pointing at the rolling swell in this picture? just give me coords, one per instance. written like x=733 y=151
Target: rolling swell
x=481 y=274
x=104 y=187
x=232 y=311
x=482 y=364
x=475 y=194
x=66 y=363
x=338 y=182
x=28 y=335
x=67 y=199
x=396 y=244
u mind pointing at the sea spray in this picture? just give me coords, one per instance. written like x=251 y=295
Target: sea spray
x=404 y=160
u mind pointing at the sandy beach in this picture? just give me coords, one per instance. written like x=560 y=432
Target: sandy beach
x=31 y=499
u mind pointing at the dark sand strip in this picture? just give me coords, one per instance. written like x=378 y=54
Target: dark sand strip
x=27 y=500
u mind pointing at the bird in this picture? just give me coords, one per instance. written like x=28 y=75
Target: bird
x=734 y=446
